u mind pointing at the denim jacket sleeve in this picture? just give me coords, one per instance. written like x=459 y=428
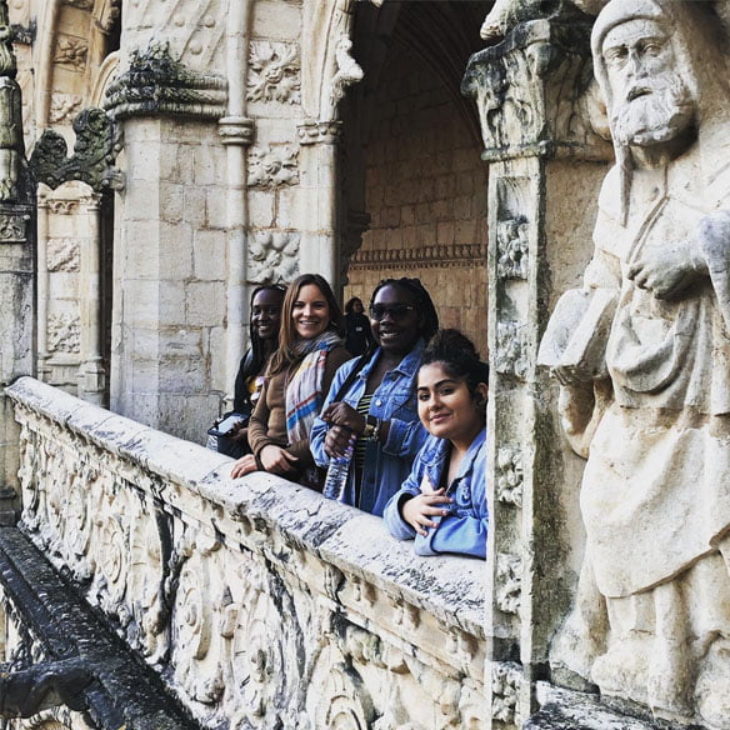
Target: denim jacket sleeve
x=465 y=530
x=319 y=429
x=405 y=438
x=411 y=487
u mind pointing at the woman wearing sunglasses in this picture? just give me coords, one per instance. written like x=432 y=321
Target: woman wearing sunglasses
x=372 y=400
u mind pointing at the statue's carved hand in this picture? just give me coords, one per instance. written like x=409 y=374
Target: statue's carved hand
x=668 y=271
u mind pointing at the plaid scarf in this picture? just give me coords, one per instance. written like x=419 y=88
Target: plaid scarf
x=304 y=396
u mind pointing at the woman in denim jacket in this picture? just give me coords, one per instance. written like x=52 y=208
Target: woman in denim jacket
x=443 y=503
x=371 y=403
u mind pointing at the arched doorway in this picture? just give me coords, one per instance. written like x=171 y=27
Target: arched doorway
x=414 y=187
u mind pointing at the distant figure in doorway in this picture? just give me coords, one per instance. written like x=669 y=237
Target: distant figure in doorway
x=265 y=318
x=358 y=335
x=443 y=502
x=297 y=379
x=373 y=398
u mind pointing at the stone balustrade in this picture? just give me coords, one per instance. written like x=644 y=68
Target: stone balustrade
x=259 y=603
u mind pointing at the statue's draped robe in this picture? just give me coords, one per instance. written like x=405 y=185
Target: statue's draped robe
x=656 y=490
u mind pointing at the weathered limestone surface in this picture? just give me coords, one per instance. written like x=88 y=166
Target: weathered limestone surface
x=256 y=601
x=642 y=353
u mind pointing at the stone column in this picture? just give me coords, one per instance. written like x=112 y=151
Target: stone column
x=170 y=260
x=92 y=376
x=317 y=165
x=43 y=282
x=546 y=165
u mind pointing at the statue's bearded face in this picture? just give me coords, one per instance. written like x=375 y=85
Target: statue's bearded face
x=651 y=103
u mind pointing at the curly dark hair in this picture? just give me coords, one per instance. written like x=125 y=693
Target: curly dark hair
x=429 y=322
x=456 y=352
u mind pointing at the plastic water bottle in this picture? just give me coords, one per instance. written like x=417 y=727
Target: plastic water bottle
x=337 y=473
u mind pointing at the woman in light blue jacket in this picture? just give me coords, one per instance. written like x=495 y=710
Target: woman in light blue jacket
x=442 y=504
x=372 y=400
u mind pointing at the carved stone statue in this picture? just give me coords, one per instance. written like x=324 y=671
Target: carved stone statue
x=11 y=119
x=643 y=357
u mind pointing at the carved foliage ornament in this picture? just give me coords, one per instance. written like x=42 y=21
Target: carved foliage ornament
x=273 y=166
x=505 y=685
x=512 y=249
x=64 y=333
x=273 y=257
x=511 y=357
x=13 y=228
x=98 y=141
x=63 y=106
x=274 y=72
x=71 y=52
x=64 y=254
x=508 y=592
x=509 y=475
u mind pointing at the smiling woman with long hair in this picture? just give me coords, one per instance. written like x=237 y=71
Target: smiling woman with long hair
x=443 y=502
x=296 y=382
x=372 y=401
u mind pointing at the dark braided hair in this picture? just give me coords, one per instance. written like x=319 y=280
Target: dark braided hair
x=459 y=357
x=424 y=304
x=257 y=345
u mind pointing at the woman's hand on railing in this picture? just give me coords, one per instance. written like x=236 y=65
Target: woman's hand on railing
x=276 y=460
x=244 y=465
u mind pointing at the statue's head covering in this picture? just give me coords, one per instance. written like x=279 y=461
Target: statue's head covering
x=701 y=49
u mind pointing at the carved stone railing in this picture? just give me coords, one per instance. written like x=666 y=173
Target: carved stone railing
x=259 y=603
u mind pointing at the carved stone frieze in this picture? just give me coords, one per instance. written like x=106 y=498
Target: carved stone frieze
x=64 y=254
x=158 y=84
x=64 y=333
x=463 y=254
x=505 y=679
x=237 y=131
x=63 y=206
x=238 y=612
x=509 y=475
x=71 y=52
x=98 y=141
x=508 y=583
x=273 y=166
x=274 y=72
x=511 y=357
x=81 y=4
x=512 y=249
x=63 y=106
x=273 y=257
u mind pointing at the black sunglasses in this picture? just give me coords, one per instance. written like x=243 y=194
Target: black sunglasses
x=396 y=311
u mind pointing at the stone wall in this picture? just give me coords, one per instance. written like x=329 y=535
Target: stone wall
x=426 y=193
x=258 y=603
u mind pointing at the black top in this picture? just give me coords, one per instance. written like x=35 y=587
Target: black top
x=241 y=395
x=358 y=334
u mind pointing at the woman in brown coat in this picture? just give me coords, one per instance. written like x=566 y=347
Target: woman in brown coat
x=296 y=382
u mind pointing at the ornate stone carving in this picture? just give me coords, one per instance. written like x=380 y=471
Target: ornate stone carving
x=508 y=584
x=348 y=71
x=273 y=257
x=346 y=704
x=64 y=254
x=13 y=228
x=63 y=106
x=312 y=132
x=12 y=147
x=464 y=254
x=98 y=142
x=512 y=249
x=274 y=72
x=236 y=130
x=107 y=14
x=63 y=206
x=71 y=52
x=506 y=678
x=64 y=333
x=655 y=496
x=531 y=89
x=273 y=166
x=511 y=357
x=158 y=84
x=509 y=475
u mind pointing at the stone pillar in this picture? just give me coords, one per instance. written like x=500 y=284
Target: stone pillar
x=317 y=165
x=170 y=259
x=92 y=376
x=546 y=165
x=43 y=281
